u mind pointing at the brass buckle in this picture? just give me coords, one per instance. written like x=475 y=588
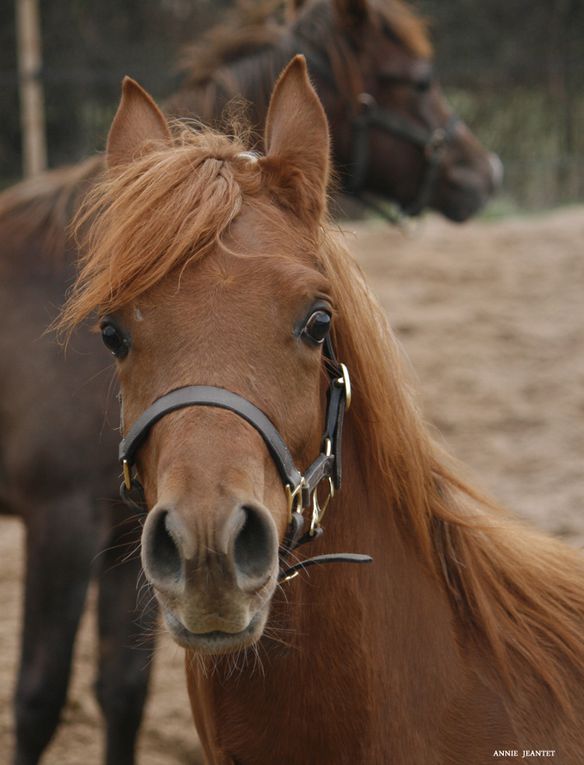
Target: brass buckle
x=294 y=498
x=289 y=577
x=318 y=511
x=127 y=475
x=345 y=381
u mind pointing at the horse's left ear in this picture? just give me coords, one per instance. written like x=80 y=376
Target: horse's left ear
x=297 y=143
x=137 y=122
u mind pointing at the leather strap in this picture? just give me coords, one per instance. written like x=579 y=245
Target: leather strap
x=432 y=142
x=320 y=560
x=208 y=395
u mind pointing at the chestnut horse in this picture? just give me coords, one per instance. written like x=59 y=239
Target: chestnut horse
x=227 y=300
x=393 y=134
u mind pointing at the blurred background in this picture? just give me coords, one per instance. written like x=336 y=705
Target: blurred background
x=513 y=70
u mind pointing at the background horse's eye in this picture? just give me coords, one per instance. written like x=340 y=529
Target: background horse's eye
x=422 y=86
x=114 y=340
x=317 y=327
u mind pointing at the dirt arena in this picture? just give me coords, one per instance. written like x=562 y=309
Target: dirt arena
x=492 y=317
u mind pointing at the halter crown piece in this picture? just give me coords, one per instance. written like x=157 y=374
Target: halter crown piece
x=301 y=488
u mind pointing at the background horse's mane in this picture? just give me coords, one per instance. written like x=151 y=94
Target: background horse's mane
x=518 y=595
x=47 y=203
x=255 y=26
x=44 y=206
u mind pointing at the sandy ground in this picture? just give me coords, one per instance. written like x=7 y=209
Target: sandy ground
x=492 y=318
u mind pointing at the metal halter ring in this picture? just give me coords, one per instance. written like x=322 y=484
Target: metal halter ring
x=345 y=380
x=366 y=100
x=294 y=497
x=318 y=511
x=127 y=472
x=436 y=142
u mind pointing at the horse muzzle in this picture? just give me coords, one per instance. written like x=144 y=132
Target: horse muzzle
x=214 y=583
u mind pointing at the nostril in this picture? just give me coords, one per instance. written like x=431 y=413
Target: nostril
x=254 y=547
x=163 y=558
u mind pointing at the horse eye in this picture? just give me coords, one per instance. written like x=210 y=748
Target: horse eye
x=114 y=340
x=423 y=86
x=317 y=327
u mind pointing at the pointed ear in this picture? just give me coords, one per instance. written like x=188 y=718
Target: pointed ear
x=137 y=121
x=297 y=143
x=352 y=12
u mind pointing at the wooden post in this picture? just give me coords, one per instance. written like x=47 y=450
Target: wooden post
x=32 y=110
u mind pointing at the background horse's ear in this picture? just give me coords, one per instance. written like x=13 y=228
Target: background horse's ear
x=351 y=12
x=137 y=121
x=293 y=8
x=297 y=143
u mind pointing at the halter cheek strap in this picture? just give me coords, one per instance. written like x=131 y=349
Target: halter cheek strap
x=301 y=489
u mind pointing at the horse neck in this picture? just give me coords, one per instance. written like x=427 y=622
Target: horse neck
x=367 y=638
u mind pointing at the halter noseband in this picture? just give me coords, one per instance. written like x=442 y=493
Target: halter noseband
x=301 y=488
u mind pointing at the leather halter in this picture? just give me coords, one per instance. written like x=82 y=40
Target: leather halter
x=432 y=143
x=370 y=116
x=301 y=488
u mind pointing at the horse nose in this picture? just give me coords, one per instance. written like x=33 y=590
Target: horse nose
x=242 y=549
x=165 y=547
x=497 y=171
x=255 y=547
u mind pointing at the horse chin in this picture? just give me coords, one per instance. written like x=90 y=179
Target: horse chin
x=216 y=642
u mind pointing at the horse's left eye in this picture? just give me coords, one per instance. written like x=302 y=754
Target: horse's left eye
x=317 y=327
x=423 y=86
x=114 y=340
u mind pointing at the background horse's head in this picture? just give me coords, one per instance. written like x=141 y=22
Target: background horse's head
x=204 y=264
x=394 y=131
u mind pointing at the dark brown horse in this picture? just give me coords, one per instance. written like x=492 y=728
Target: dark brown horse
x=56 y=448
x=229 y=304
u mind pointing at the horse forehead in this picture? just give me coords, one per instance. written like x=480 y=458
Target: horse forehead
x=233 y=294
x=388 y=55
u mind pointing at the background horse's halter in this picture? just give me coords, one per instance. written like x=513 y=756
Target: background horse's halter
x=369 y=115
x=432 y=143
x=301 y=489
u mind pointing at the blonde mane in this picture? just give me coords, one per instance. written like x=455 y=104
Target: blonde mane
x=517 y=595
x=188 y=193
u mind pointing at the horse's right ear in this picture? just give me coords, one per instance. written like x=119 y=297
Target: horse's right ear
x=138 y=121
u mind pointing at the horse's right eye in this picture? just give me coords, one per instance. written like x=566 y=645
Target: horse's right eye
x=114 y=340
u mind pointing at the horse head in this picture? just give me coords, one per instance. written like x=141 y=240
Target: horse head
x=214 y=256
x=395 y=133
